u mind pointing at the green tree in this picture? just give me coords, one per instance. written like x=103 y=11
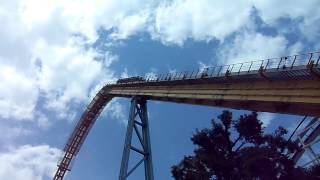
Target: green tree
x=247 y=153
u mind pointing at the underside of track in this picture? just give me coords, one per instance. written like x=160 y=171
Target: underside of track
x=290 y=90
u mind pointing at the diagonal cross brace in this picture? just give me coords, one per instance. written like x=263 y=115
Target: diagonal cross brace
x=138 y=110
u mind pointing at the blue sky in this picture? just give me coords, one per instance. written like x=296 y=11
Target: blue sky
x=54 y=56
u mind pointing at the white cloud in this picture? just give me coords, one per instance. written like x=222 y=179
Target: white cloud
x=176 y=21
x=29 y=162
x=19 y=93
x=43 y=49
x=131 y=25
x=117 y=111
x=307 y=11
x=67 y=73
x=43 y=121
x=43 y=42
x=171 y=71
x=124 y=74
x=202 y=65
x=295 y=48
x=266 y=118
x=249 y=46
x=46 y=53
x=11 y=132
x=152 y=75
x=199 y=20
x=271 y=10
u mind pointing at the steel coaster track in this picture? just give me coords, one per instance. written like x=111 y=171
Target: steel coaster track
x=289 y=84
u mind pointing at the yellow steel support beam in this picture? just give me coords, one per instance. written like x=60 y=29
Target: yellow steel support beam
x=292 y=97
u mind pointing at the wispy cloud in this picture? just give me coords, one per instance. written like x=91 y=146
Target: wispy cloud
x=117 y=111
x=266 y=118
x=29 y=162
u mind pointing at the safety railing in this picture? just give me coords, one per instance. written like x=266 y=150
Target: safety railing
x=285 y=62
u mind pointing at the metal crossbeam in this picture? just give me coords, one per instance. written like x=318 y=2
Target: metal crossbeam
x=307 y=138
x=138 y=110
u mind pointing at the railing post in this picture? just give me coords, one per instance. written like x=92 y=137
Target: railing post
x=214 y=68
x=294 y=60
x=250 y=66
x=232 y=67
x=219 y=71
x=310 y=58
x=179 y=77
x=267 y=64
x=262 y=63
x=279 y=63
x=166 y=76
x=196 y=74
x=240 y=68
x=191 y=74
x=228 y=67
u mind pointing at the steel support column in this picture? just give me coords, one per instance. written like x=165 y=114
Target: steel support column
x=138 y=123
x=308 y=138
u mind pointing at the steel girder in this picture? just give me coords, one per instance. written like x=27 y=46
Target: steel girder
x=294 y=90
x=137 y=124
